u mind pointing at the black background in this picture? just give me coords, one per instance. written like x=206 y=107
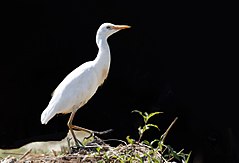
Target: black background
x=178 y=58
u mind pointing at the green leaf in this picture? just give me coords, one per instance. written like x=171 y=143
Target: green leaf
x=160 y=146
x=187 y=160
x=153 y=114
x=141 y=130
x=136 y=111
x=146 y=142
x=152 y=125
x=154 y=141
x=138 y=158
x=143 y=115
x=173 y=153
x=156 y=160
x=98 y=149
x=146 y=114
x=146 y=127
x=130 y=140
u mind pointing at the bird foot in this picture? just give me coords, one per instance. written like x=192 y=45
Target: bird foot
x=78 y=145
x=91 y=146
x=88 y=145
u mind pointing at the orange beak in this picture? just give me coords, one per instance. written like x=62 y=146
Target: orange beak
x=118 y=27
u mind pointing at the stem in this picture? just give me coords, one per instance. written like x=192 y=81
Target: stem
x=166 y=132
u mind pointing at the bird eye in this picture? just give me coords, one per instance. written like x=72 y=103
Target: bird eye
x=108 y=27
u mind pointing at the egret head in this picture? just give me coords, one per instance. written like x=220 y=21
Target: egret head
x=107 y=29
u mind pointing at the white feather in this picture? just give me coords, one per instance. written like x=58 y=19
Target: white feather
x=82 y=83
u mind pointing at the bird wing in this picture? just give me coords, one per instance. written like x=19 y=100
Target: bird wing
x=77 y=72
x=73 y=92
x=77 y=88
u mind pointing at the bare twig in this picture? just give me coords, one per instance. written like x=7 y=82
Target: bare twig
x=25 y=154
x=11 y=153
x=107 y=140
x=103 y=132
x=166 y=132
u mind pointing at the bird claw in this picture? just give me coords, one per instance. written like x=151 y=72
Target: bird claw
x=89 y=144
x=79 y=144
x=76 y=147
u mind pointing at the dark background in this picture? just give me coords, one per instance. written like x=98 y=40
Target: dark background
x=178 y=58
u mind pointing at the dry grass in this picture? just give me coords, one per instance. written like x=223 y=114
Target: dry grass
x=97 y=150
x=102 y=153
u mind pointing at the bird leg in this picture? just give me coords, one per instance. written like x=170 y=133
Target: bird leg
x=77 y=142
x=92 y=133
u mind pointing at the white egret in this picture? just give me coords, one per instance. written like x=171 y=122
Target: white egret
x=82 y=83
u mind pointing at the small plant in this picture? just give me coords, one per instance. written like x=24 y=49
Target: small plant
x=132 y=151
x=147 y=125
x=166 y=151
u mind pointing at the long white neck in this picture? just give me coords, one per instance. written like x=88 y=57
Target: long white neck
x=102 y=61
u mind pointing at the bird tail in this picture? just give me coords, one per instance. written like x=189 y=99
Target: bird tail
x=47 y=114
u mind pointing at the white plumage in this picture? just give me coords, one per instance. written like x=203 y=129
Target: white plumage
x=73 y=92
x=82 y=83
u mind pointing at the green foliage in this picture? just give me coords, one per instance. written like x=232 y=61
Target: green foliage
x=147 y=125
x=132 y=151
x=130 y=140
x=166 y=151
x=141 y=151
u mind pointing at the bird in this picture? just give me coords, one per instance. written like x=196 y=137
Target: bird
x=78 y=87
